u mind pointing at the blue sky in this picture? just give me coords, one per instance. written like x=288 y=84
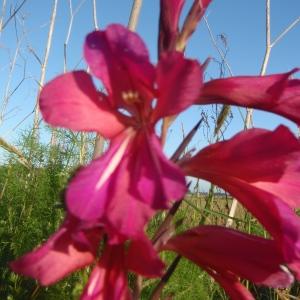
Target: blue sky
x=242 y=22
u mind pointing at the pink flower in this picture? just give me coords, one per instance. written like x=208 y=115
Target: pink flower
x=123 y=188
x=227 y=254
x=72 y=247
x=170 y=37
x=168 y=24
x=75 y=245
x=276 y=93
x=260 y=168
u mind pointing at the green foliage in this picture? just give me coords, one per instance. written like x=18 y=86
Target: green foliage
x=31 y=209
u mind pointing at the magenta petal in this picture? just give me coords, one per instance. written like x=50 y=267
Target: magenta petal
x=108 y=280
x=190 y=24
x=101 y=192
x=276 y=216
x=156 y=179
x=143 y=259
x=263 y=159
x=232 y=286
x=295 y=268
x=91 y=190
x=226 y=250
x=168 y=24
x=181 y=88
x=71 y=101
x=244 y=165
x=275 y=93
x=62 y=254
x=120 y=59
x=123 y=187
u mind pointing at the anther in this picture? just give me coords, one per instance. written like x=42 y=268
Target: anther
x=130 y=97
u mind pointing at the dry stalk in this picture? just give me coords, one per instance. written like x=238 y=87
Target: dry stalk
x=43 y=68
x=7 y=93
x=95 y=15
x=134 y=15
x=269 y=46
x=15 y=11
x=13 y=150
x=3 y=8
x=53 y=139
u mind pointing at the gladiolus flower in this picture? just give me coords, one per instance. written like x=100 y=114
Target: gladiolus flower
x=168 y=24
x=75 y=245
x=260 y=168
x=170 y=37
x=133 y=179
x=277 y=93
x=227 y=254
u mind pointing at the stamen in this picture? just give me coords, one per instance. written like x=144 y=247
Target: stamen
x=131 y=97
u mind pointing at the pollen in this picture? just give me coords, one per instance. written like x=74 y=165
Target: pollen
x=130 y=97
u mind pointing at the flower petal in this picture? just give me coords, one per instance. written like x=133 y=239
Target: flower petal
x=101 y=192
x=62 y=254
x=190 y=24
x=155 y=180
x=143 y=259
x=242 y=164
x=120 y=59
x=180 y=88
x=168 y=24
x=71 y=101
x=264 y=159
x=231 y=285
x=275 y=93
x=276 y=216
x=109 y=278
x=226 y=250
x=124 y=187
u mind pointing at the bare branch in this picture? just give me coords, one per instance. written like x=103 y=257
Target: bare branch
x=7 y=87
x=221 y=53
x=2 y=14
x=95 y=15
x=12 y=15
x=284 y=32
x=31 y=50
x=134 y=15
x=44 y=64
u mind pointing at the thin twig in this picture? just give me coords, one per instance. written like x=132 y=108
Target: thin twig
x=225 y=108
x=2 y=14
x=44 y=66
x=164 y=280
x=220 y=51
x=7 y=88
x=95 y=15
x=12 y=15
x=284 y=32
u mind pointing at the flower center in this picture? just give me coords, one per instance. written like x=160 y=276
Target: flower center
x=131 y=97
